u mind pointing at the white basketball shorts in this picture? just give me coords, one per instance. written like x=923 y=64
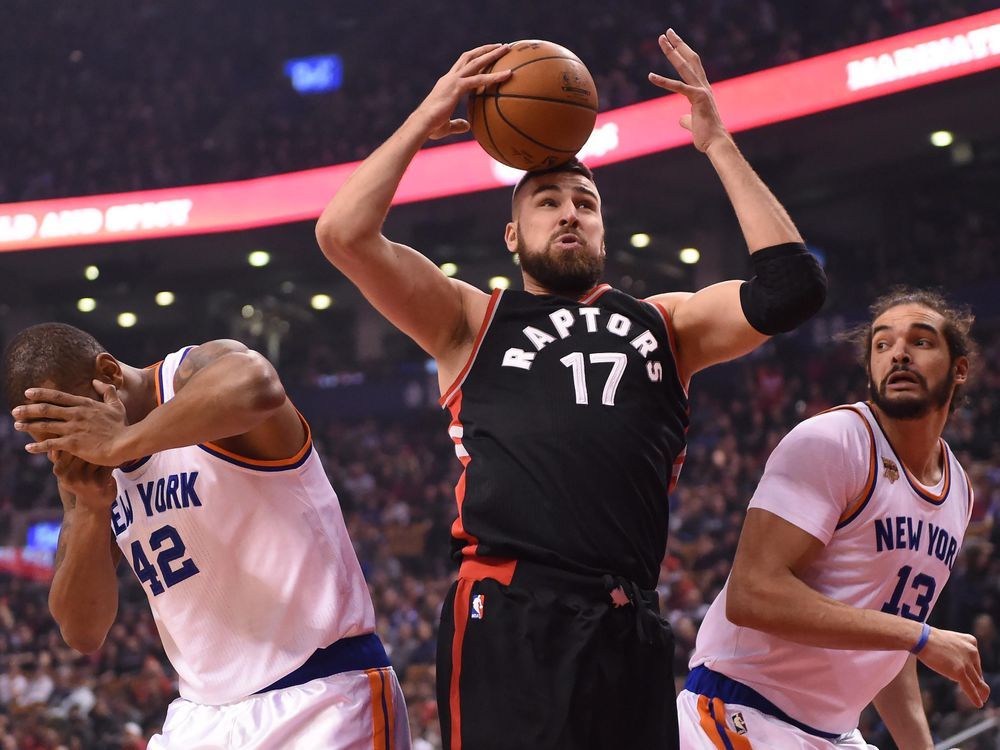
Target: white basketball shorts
x=358 y=710
x=709 y=724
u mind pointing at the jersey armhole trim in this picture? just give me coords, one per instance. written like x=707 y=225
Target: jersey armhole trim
x=861 y=502
x=672 y=339
x=282 y=464
x=487 y=319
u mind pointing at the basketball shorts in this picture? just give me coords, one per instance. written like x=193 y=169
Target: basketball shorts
x=551 y=660
x=714 y=714
x=360 y=709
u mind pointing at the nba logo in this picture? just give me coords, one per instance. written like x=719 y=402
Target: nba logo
x=477 y=607
x=739 y=722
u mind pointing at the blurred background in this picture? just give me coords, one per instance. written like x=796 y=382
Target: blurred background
x=117 y=96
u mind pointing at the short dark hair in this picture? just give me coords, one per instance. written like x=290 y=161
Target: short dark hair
x=958 y=320
x=574 y=166
x=55 y=352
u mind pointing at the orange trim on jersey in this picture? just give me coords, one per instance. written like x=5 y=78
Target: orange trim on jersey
x=856 y=506
x=915 y=484
x=672 y=339
x=462 y=593
x=157 y=374
x=254 y=463
x=594 y=294
x=972 y=492
x=487 y=319
x=458 y=528
x=497 y=568
x=712 y=717
x=376 y=683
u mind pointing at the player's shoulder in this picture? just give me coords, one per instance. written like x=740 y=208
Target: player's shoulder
x=845 y=426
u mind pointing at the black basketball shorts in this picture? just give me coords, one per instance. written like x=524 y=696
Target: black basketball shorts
x=546 y=660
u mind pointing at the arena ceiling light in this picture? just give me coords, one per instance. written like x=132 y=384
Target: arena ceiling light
x=942 y=138
x=321 y=301
x=164 y=299
x=247 y=311
x=449 y=269
x=90 y=273
x=640 y=240
x=127 y=319
x=86 y=304
x=499 y=282
x=689 y=255
x=259 y=258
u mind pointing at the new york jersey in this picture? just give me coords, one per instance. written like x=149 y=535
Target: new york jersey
x=246 y=563
x=570 y=421
x=890 y=542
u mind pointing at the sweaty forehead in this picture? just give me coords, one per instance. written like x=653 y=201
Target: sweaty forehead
x=559 y=181
x=903 y=317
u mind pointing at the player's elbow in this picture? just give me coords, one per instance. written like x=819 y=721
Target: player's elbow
x=744 y=601
x=262 y=385
x=83 y=637
x=336 y=236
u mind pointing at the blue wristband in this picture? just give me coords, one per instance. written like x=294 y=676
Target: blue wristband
x=925 y=635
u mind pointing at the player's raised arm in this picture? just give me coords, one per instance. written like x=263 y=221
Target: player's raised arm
x=726 y=320
x=408 y=289
x=83 y=597
x=225 y=393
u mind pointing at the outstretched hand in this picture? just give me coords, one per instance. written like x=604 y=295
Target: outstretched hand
x=464 y=77
x=704 y=122
x=956 y=656
x=94 y=431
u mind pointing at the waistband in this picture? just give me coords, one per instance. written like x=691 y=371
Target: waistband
x=704 y=681
x=346 y=655
x=616 y=590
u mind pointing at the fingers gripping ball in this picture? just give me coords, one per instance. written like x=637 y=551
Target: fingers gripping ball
x=543 y=114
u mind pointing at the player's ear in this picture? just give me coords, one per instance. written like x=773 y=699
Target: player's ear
x=109 y=370
x=510 y=237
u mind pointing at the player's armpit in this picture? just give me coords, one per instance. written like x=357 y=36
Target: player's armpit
x=710 y=326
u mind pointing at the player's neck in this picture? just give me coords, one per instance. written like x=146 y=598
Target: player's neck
x=917 y=442
x=138 y=392
x=534 y=287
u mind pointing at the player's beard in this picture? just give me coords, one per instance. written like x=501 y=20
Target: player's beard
x=568 y=274
x=910 y=406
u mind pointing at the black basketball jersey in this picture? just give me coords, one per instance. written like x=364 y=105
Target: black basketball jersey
x=570 y=420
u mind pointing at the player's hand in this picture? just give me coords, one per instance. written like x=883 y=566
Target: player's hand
x=704 y=122
x=95 y=431
x=956 y=656
x=464 y=77
x=93 y=486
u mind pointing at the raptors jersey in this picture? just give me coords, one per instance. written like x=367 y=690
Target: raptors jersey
x=890 y=545
x=570 y=421
x=247 y=564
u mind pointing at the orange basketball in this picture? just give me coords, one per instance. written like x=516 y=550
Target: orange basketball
x=543 y=114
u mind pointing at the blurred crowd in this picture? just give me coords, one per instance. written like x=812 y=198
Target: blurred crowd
x=396 y=484
x=134 y=94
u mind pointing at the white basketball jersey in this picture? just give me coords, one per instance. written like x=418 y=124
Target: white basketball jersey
x=890 y=546
x=247 y=564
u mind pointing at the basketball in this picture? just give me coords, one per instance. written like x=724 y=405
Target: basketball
x=543 y=114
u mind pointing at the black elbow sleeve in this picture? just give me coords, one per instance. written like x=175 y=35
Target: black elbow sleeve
x=787 y=289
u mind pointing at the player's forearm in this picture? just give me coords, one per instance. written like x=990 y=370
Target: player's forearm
x=764 y=221
x=359 y=208
x=901 y=707
x=786 y=607
x=230 y=396
x=83 y=597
